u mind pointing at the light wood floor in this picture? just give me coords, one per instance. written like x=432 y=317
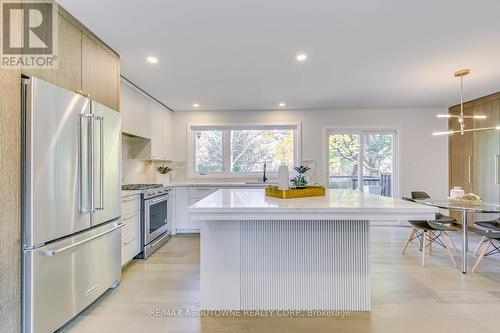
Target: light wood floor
x=406 y=297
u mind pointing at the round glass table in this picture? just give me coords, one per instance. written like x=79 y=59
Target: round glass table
x=484 y=207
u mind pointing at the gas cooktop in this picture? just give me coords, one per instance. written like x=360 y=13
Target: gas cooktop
x=136 y=187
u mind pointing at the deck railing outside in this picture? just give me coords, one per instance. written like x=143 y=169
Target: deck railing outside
x=378 y=185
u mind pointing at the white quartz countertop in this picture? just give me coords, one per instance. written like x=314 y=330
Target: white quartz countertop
x=221 y=184
x=254 y=204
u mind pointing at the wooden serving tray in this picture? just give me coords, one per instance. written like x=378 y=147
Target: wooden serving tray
x=309 y=191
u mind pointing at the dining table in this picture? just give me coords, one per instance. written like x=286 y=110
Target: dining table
x=465 y=209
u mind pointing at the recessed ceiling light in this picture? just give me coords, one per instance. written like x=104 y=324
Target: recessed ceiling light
x=282 y=105
x=196 y=105
x=152 y=60
x=301 y=57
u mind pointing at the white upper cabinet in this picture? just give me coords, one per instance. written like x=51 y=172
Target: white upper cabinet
x=144 y=117
x=168 y=135
x=135 y=109
x=161 y=128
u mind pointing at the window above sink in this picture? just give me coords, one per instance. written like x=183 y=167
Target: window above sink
x=240 y=150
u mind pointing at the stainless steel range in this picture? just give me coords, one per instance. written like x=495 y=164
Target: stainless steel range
x=155 y=216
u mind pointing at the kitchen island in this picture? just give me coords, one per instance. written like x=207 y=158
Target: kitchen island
x=264 y=253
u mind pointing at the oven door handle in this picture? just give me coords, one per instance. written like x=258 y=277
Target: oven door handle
x=157 y=200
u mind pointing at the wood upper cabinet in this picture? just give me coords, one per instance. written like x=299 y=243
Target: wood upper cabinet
x=474 y=157
x=486 y=152
x=68 y=73
x=100 y=73
x=461 y=153
x=84 y=63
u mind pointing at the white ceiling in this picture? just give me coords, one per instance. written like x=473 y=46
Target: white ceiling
x=230 y=54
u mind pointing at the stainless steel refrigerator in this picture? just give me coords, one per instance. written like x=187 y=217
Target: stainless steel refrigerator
x=71 y=203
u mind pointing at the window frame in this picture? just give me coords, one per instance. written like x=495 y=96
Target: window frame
x=396 y=164
x=226 y=139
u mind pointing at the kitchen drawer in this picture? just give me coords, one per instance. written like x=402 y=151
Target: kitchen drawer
x=131 y=223
x=131 y=246
x=63 y=278
x=201 y=192
x=131 y=204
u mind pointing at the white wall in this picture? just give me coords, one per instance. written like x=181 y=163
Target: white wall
x=423 y=157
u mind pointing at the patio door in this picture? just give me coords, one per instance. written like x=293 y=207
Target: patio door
x=362 y=160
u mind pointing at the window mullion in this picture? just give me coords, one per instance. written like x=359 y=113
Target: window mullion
x=226 y=150
x=361 y=181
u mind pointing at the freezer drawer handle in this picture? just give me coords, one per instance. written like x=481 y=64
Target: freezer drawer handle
x=91 y=290
x=62 y=249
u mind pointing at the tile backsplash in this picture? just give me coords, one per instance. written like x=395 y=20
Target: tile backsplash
x=135 y=171
x=139 y=171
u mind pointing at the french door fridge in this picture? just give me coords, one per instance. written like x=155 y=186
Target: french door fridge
x=71 y=238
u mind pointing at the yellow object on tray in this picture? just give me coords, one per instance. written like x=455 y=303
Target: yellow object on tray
x=309 y=191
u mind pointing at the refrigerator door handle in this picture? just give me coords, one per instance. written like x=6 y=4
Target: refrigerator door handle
x=91 y=162
x=84 y=209
x=496 y=169
x=69 y=247
x=101 y=162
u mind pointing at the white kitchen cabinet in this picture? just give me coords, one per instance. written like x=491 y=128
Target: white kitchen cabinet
x=168 y=135
x=181 y=204
x=158 y=148
x=160 y=130
x=135 y=109
x=131 y=231
x=184 y=197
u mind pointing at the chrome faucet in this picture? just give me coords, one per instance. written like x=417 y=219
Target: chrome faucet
x=264 y=178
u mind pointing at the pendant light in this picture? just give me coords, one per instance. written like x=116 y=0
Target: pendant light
x=461 y=117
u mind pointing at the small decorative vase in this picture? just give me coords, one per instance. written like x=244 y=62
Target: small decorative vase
x=163 y=178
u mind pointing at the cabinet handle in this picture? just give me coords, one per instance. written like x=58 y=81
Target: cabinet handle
x=496 y=168
x=469 y=162
x=81 y=92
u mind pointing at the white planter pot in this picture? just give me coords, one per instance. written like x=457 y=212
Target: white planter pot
x=163 y=179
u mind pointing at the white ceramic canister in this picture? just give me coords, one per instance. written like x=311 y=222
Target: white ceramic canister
x=456 y=192
x=283 y=178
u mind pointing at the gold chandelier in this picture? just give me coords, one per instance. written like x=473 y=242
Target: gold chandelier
x=461 y=117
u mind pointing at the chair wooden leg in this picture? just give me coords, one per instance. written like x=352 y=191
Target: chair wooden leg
x=478 y=247
x=431 y=239
x=445 y=243
x=452 y=242
x=408 y=240
x=483 y=254
x=424 y=236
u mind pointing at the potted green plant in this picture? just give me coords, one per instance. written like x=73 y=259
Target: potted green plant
x=163 y=176
x=300 y=181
